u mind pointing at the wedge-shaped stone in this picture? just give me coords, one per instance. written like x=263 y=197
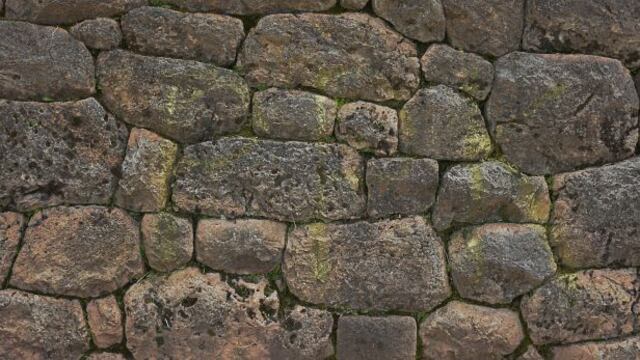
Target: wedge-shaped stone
x=58 y=153
x=78 y=251
x=555 y=113
x=105 y=321
x=101 y=34
x=252 y=7
x=623 y=349
x=531 y=354
x=167 y=240
x=367 y=337
x=387 y=265
x=291 y=181
x=353 y=4
x=54 y=12
x=350 y=55
x=422 y=20
x=184 y=100
x=11 y=226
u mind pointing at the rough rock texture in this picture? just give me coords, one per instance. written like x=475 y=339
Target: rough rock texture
x=105 y=321
x=78 y=251
x=596 y=216
x=40 y=327
x=368 y=127
x=495 y=263
x=466 y=72
x=101 y=34
x=490 y=192
x=366 y=337
x=531 y=354
x=54 y=12
x=43 y=63
x=203 y=37
x=489 y=27
x=253 y=7
x=192 y=315
x=247 y=246
x=106 y=356
x=58 y=153
x=285 y=181
x=422 y=20
x=401 y=186
x=184 y=100
x=354 y=4
x=624 y=349
x=555 y=113
x=440 y=123
x=292 y=114
x=11 y=226
x=468 y=332
x=387 y=265
x=144 y=182
x=167 y=240
x=606 y=27
x=350 y=55
x=592 y=304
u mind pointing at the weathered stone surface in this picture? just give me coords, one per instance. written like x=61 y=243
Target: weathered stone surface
x=106 y=356
x=555 y=113
x=58 y=153
x=11 y=226
x=368 y=127
x=440 y=123
x=354 y=4
x=285 y=181
x=167 y=240
x=144 y=185
x=40 y=327
x=203 y=37
x=531 y=354
x=350 y=55
x=596 y=216
x=78 y=251
x=105 y=321
x=489 y=27
x=422 y=20
x=190 y=315
x=469 y=332
x=358 y=265
x=54 y=12
x=247 y=246
x=490 y=192
x=608 y=27
x=365 y=338
x=101 y=34
x=292 y=114
x=587 y=305
x=43 y=63
x=495 y=263
x=253 y=7
x=401 y=186
x=466 y=72
x=624 y=349
x=184 y=100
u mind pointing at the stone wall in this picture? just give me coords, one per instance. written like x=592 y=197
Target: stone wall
x=308 y=179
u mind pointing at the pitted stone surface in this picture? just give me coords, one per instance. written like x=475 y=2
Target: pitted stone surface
x=358 y=265
x=54 y=12
x=368 y=127
x=253 y=7
x=624 y=349
x=11 y=227
x=367 y=337
x=167 y=240
x=350 y=55
x=105 y=321
x=422 y=20
x=291 y=181
x=101 y=34
x=354 y=4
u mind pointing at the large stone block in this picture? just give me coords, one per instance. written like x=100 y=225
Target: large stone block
x=55 y=12
x=253 y=7
x=422 y=20
x=367 y=337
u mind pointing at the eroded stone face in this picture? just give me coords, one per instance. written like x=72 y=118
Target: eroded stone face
x=101 y=34
x=357 y=265
x=184 y=100
x=291 y=181
x=350 y=55
x=11 y=226
x=422 y=20
x=54 y=12
x=167 y=240
x=78 y=251
x=367 y=337
x=587 y=305
x=368 y=127
x=58 y=153
x=106 y=356
x=552 y=113
x=190 y=315
x=253 y=7
x=354 y=4
x=532 y=354
x=614 y=349
x=105 y=321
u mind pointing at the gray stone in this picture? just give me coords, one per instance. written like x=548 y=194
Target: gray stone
x=466 y=72
x=247 y=246
x=365 y=338
x=167 y=241
x=11 y=226
x=368 y=127
x=422 y=20
x=622 y=349
x=43 y=63
x=101 y=34
x=292 y=114
x=555 y=113
x=184 y=100
x=387 y=265
x=290 y=181
x=495 y=263
x=253 y=7
x=401 y=186
x=440 y=123
x=54 y=12
x=349 y=55
x=203 y=37
x=354 y=4
x=490 y=192
x=58 y=153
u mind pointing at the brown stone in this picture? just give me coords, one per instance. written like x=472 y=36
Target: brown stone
x=422 y=20
x=245 y=246
x=11 y=226
x=54 y=12
x=623 y=349
x=78 y=251
x=368 y=127
x=167 y=241
x=105 y=321
x=253 y=7
x=531 y=354
x=354 y=4
x=106 y=356
x=101 y=34
x=365 y=337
